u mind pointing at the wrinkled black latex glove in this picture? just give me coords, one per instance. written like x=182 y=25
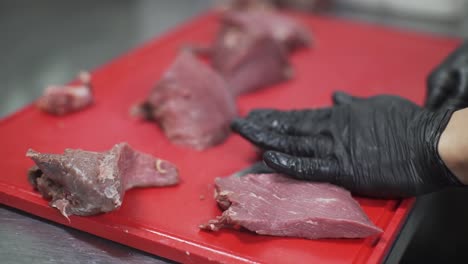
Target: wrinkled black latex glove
x=384 y=146
x=447 y=85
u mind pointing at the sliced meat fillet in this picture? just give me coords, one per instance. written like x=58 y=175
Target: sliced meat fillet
x=82 y=182
x=192 y=103
x=273 y=204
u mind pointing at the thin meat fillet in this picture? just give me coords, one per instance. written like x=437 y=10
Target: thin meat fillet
x=80 y=182
x=192 y=103
x=61 y=100
x=273 y=204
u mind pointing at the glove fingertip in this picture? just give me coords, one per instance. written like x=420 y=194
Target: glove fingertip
x=277 y=160
x=341 y=98
x=237 y=123
x=270 y=157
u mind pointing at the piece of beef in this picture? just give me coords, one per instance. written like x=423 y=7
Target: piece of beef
x=283 y=29
x=273 y=204
x=192 y=103
x=82 y=182
x=250 y=61
x=245 y=5
x=251 y=49
x=61 y=100
x=305 y=5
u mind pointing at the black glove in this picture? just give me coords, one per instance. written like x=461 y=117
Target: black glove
x=447 y=85
x=384 y=146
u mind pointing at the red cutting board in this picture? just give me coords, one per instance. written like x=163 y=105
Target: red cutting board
x=359 y=58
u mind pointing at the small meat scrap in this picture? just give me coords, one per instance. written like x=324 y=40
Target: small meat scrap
x=61 y=100
x=80 y=182
x=273 y=204
x=192 y=103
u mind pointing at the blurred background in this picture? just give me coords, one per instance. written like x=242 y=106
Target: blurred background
x=49 y=41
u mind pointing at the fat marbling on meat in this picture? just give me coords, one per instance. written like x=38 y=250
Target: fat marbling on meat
x=61 y=100
x=192 y=103
x=80 y=182
x=273 y=204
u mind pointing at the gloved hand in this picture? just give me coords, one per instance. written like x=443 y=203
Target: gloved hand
x=384 y=146
x=447 y=85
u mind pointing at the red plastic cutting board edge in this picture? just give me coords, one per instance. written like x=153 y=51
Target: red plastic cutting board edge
x=359 y=58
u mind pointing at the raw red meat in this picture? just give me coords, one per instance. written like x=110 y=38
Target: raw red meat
x=283 y=29
x=250 y=60
x=249 y=4
x=60 y=100
x=272 y=204
x=192 y=103
x=82 y=182
x=251 y=50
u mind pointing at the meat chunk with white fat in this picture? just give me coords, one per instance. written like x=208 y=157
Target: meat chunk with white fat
x=273 y=204
x=192 y=103
x=82 y=182
x=61 y=100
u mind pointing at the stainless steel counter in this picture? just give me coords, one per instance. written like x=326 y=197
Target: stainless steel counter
x=28 y=239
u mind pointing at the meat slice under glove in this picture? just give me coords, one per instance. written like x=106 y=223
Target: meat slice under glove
x=273 y=204
x=61 y=100
x=192 y=103
x=82 y=182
